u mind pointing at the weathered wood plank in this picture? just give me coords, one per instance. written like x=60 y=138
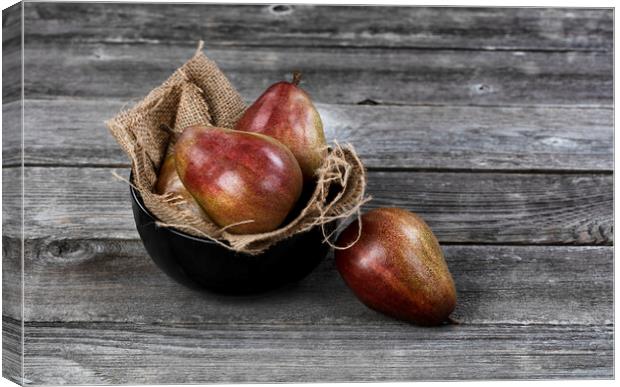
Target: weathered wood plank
x=332 y=75
x=12 y=26
x=12 y=291
x=12 y=131
x=12 y=285
x=12 y=350
x=115 y=281
x=460 y=207
x=102 y=353
x=309 y=25
x=454 y=137
x=12 y=215
x=11 y=75
x=498 y=208
x=98 y=311
x=11 y=53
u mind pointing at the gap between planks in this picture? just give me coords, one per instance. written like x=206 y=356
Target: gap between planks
x=219 y=46
x=84 y=324
x=130 y=101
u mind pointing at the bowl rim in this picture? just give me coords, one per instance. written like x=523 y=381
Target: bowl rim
x=137 y=198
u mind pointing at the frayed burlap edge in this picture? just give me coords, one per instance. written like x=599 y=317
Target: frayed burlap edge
x=199 y=93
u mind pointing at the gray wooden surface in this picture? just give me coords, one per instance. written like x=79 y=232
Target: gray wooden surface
x=496 y=125
x=12 y=248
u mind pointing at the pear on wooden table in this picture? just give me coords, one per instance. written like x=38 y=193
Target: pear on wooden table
x=397 y=267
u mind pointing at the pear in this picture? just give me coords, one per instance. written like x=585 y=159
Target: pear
x=286 y=112
x=168 y=181
x=397 y=267
x=245 y=181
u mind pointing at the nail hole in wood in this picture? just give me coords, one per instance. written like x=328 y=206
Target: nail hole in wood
x=368 y=101
x=281 y=9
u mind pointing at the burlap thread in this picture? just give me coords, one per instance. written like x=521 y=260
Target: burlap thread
x=199 y=93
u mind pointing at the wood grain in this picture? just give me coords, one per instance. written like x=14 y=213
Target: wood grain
x=311 y=26
x=12 y=249
x=106 y=353
x=12 y=132
x=12 y=349
x=12 y=27
x=332 y=75
x=12 y=53
x=12 y=276
x=460 y=207
x=494 y=124
x=499 y=208
x=112 y=281
x=448 y=137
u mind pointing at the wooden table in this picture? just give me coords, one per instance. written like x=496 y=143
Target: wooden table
x=495 y=125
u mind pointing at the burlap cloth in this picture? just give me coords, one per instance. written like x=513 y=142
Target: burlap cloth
x=199 y=93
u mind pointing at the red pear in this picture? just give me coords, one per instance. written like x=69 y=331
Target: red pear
x=397 y=267
x=168 y=181
x=238 y=176
x=286 y=112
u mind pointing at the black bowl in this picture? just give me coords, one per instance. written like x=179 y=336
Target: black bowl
x=203 y=264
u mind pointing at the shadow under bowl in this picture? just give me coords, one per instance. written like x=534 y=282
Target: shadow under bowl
x=200 y=263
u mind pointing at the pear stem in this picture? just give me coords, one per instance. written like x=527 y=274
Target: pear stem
x=452 y=321
x=296 y=78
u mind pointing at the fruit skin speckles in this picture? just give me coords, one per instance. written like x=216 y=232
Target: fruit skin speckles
x=238 y=177
x=286 y=112
x=397 y=267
